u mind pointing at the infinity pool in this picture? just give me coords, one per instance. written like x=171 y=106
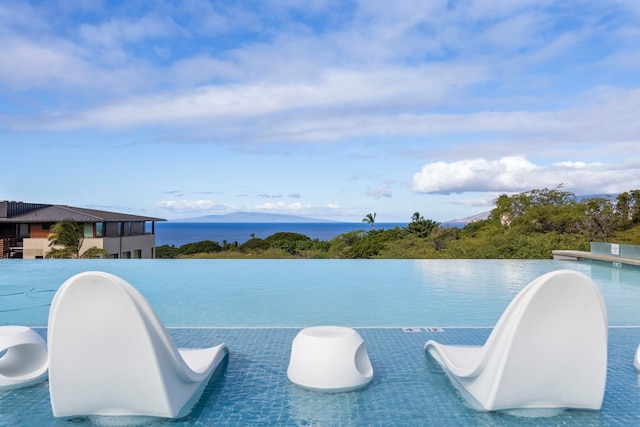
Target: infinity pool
x=258 y=306
x=259 y=293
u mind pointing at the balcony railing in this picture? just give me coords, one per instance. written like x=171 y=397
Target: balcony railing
x=10 y=247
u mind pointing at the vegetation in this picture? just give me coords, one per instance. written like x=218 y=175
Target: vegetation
x=527 y=225
x=370 y=218
x=66 y=239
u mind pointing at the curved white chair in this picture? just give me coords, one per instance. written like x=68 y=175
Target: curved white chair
x=109 y=354
x=636 y=360
x=548 y=350
x=329 y=358
x=24 y=361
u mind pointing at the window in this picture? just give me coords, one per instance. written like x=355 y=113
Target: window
x=126 y=255
x=138 y=228
x=88 y=229
x=100 y=229
x=113 y=256
x=46 y=226
x=137 y=254
x=23 y=230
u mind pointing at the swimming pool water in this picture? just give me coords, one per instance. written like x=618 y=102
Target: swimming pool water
x=408 y=388
x=257 y=307
x=248 y=293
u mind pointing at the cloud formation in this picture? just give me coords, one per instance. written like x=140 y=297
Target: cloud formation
x=516 y=174
x=377 y=193
x=195 y=206
x=489 y=95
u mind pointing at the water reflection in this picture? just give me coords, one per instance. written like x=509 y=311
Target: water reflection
x=310 y=292
x=317 y=408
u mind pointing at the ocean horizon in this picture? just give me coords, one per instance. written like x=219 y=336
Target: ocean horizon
x=181 y=233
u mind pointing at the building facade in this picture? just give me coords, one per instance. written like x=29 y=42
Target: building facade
x=25 y=228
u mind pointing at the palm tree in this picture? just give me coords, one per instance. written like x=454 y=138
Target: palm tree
x=370 y=219
x=66 y=240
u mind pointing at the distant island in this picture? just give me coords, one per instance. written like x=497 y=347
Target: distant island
x=257 y=217
x=253 y=217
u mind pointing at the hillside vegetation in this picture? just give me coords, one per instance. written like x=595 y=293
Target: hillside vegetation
x=527 y=225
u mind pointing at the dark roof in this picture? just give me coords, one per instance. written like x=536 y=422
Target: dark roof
x=56 y=213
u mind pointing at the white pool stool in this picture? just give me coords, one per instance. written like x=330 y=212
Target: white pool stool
x=329 y=358
x=24 y=359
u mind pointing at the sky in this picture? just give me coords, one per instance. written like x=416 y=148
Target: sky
x=323 y=109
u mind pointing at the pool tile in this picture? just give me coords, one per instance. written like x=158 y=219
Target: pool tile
x=408 y=387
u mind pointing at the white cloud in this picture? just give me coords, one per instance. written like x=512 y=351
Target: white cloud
x=113 y=33
x=515 y=174
x=331 y=210
x=195 y=206
x=281 y=207
x=202 y=207
x=379 y=193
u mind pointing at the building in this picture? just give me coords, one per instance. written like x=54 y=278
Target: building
x=25 y=227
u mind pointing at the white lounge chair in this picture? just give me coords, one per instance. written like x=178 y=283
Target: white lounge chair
x=548 y=350
x=109 y=354
x=636 y=360
x=23 y=357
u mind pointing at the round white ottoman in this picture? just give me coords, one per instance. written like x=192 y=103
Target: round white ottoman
x=25 y=361
x=329 y=358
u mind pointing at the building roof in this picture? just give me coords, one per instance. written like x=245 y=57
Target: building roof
x=56 y=213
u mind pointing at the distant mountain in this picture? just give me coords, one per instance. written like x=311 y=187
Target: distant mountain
x=472 y=218
x=252 y=217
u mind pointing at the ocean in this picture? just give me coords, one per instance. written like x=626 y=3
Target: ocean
x=180 y=233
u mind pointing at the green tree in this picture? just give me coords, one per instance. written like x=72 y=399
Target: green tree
x=167 y=252
x=441 y=236
x=421 y=227
x=600 y=219
x=202 y=247
x=66 y=239
x=370 y=218
x=635 y=206
x=289 y=242
x=373 y=243
x=539 y=211
x=623 y=210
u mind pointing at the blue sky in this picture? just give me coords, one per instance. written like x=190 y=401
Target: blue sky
x=325 y=109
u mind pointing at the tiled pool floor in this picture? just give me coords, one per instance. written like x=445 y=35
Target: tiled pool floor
x=408 y=387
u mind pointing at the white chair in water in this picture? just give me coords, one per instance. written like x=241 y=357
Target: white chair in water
x=329 y=358
x=548 y=350
x=24 y=361
x=109 y=354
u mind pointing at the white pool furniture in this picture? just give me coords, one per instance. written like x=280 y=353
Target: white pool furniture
x=636 y=360
x=23 y=357
x=329 y=358
x=548 y=350
x=109 y=354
